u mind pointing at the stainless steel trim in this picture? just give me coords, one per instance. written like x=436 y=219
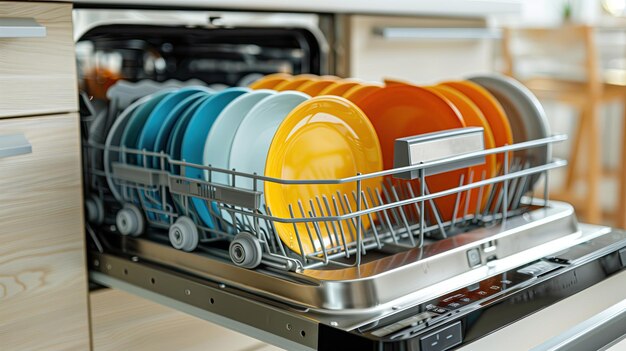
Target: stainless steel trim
x=374 y=283
x=138 y=271
x=21 y=28
x=415 y=33
x=215 y=304
x=438 y=146
x=14 y=145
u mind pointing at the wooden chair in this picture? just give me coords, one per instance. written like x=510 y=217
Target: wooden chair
x=562 y=64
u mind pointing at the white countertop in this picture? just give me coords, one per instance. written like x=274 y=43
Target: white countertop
x=455 y=8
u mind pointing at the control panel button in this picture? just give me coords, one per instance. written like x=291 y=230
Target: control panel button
x=454 y=305
x=465 y=299
x=473 y=257
x=494 y=287
x=442 y=339
x=539 y=268
x=482 y=293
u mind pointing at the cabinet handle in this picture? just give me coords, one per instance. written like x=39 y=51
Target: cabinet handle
x=21 y=28
x=437 y=33
x=14 y=145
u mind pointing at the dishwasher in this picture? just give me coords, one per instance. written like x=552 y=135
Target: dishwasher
x=410 y=280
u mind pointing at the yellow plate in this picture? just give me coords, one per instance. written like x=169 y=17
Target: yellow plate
x=314 y=88
x=357 y=93
x=296 y=82
x=340 y=87
x=327 y=137
x=270 y=81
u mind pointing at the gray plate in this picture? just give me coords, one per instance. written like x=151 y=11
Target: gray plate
x=526 y=115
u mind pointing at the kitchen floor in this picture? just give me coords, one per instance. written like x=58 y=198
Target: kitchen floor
x=121 y=321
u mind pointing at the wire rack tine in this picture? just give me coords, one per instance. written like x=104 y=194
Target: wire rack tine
x=358 y=227
x=403 y=217
x=422 y=177
x=456 y=204
x=481 y=191
x=435 y=212
x=295 y=230
x=522 y=188
x=316 y=227
x=276 y=241
x=394 y=210
x=349 y=222
x=306 y=225
x=371 y=219
x=415 y=204
x=323 y=214
x=385 y=214
x=340 y=225
x=359 y=220
x=333 y=225
x=468 y=196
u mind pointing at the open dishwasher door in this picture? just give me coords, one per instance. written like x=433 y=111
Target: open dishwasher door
x=407 y=277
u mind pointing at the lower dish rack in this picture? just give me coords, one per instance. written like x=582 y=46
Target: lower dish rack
x=357 y=260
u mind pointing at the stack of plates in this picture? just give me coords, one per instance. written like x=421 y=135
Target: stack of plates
x=311 y=127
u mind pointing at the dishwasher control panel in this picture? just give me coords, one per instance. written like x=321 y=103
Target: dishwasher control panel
x=469 y=313
x=438 y=311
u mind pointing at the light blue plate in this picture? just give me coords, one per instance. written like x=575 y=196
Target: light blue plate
x=255 y=133
x=220 y=139
x=195 y=137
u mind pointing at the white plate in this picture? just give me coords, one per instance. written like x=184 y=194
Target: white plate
x=114 y=139
x=255 y=133
x=220 y=138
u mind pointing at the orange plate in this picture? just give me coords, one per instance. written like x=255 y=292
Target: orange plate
x=473 y=118
x=361 y=91
x=327 y=137
x=339 y=88
x=394 y=81
x=296 y=82
x=399 y=111
x=314 y=88
x=491 y=109
x=270 y=81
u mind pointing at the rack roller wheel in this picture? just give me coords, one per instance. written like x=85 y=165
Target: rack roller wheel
x=94 y=209
x=129 y=220
x=245 y=250
x=184 y=234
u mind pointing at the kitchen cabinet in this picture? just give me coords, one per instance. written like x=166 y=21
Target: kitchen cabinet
x=37 y=68
x=43 y=276
x=43 y=280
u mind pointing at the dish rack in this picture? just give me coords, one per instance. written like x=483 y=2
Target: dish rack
x=400 y=216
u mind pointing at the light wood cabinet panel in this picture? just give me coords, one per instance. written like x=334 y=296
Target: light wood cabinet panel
x=38 y=75
x=43 y=281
